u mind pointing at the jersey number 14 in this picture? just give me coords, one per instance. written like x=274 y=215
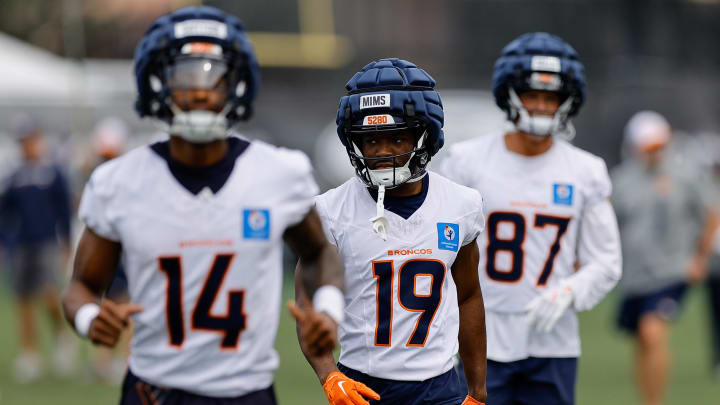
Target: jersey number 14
x=229 y=325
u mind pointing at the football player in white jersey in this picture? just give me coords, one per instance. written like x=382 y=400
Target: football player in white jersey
x=199 y=222
x=407 y=237
x=552 y=245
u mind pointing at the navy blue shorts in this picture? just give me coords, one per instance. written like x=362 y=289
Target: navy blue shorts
x=138 y=392
x=664 y=302
x=532 y=381
x=441 y=390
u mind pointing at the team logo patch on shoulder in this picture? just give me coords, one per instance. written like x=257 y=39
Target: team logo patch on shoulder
x=375 y=100
x=448 y=236
x=256 y=223
x=562 y=194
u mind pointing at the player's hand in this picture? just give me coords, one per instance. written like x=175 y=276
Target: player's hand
x=317 y=330
x=342 y=390
x=471 y=401
x=112 y=319
x=547 y=308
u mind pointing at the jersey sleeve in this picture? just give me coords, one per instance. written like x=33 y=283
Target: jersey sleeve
x=301 y=189
x=95 y=206
x=327 y=225
x=475 y=220
x=599 y=187
x=599 y=257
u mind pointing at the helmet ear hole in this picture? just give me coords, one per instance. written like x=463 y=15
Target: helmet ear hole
x=241 y=88
x=155 y=83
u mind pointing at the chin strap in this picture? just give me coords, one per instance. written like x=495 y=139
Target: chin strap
x=379 y=222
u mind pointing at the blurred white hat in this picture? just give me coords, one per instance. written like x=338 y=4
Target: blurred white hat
x=109 y=137
x=647 y=130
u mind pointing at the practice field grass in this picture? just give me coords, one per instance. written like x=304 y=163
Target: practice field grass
x=605 y=376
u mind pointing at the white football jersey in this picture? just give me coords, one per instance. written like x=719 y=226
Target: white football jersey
x=533 y=206
x=401 y=312
x=206 y=268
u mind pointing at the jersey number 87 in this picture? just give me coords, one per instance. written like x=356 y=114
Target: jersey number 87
x=514 y=245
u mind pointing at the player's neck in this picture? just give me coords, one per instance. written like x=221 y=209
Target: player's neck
x=405 y=190
x=527 y=144
x=197 y=154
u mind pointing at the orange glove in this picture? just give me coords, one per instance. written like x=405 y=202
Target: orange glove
x=471 y=401
x=341 y=390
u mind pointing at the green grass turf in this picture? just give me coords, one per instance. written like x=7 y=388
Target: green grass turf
x=605 y=375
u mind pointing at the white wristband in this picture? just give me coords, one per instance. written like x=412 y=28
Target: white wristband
x=84 y=317
x=330 y=300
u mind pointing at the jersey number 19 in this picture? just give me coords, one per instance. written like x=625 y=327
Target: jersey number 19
x=426 y=304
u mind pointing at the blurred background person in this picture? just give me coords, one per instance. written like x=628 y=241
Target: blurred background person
x=666 y=225
x=36 y=209
x=108 y=140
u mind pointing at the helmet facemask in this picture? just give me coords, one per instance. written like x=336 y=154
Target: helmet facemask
x=201 y=93
x=558 y=124
x=391 y=177
x=398 y=174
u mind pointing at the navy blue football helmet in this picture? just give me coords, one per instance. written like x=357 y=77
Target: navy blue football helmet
x=539 y=61
x=390 y=95
x=196 y=48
